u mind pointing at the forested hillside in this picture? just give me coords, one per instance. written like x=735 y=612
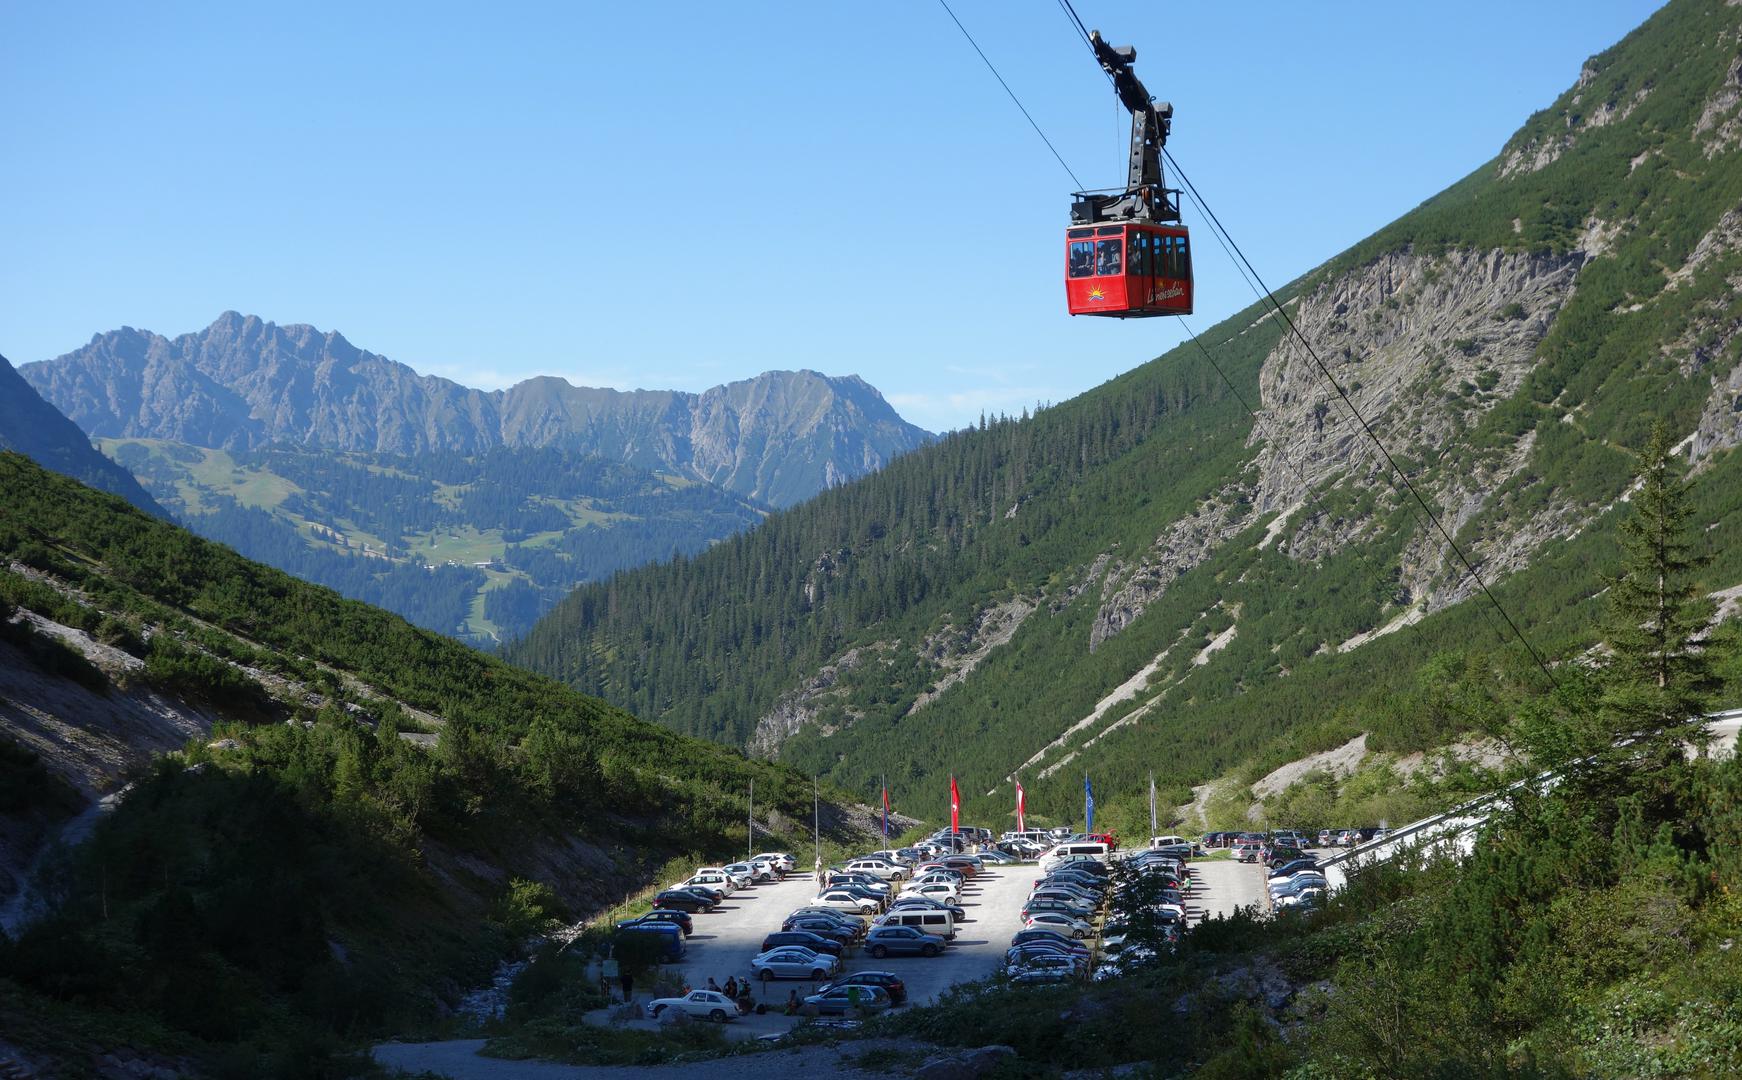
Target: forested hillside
x=367 y=817
x=1146 y=578
x=476 y=547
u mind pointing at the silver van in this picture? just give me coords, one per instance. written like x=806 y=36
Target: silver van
x=929 y=920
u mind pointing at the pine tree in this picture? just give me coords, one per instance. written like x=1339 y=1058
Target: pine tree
x=1658 y=677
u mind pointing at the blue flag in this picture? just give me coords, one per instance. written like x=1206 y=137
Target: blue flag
x=1088 y=805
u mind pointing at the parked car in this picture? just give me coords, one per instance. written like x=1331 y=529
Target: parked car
x=832 y=931
x=757 y=873
x=716 y=879
x=849 y=1000
x=701 y=1004
x=844 y=900
x=816 y=943
x=1042 y=969
x=927 y=902
x=847 y=919
x=684 y=900
x=716 y=896
x=1060 y=921
x=680 y=919
x=888 y=981
x=793 y=962
x=937 y=890
x=1298 y=883
x=1067 y=907
x=902 y=941
x=1042 y=933
x=1017 y=953
x=1304 y=900
x=1293 y=866
x=878 y=868
x=785 y=861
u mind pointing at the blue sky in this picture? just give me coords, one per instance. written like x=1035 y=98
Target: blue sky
x=677 y=195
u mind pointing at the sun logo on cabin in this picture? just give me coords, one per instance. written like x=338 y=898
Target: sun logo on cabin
x=1097 y=294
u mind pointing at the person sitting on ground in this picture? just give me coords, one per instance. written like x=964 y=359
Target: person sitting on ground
x=731 y=989
x=746 y=1000
x=712 y=985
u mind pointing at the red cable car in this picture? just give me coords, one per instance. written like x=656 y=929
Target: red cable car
x=1126 y=254
x=1128 y=271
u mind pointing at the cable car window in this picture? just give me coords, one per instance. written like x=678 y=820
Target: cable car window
x=1185 y=259
x=1078 y=234
x=1138 y=263
x=1169 y=258
x=1112 y=230
x=1109 y=257
x=1082 y=258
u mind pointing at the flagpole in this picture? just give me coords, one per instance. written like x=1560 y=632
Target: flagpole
x=1152 y=803
x=750 y=825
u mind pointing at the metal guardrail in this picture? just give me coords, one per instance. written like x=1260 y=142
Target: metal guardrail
x=1477 y=810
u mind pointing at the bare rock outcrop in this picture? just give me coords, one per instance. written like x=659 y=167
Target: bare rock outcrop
x=958 y=650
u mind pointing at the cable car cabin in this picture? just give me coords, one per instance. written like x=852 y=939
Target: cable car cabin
x=1128 y=271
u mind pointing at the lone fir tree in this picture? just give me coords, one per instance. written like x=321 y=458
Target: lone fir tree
x=1658 y=676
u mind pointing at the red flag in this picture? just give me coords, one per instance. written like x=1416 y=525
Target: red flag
x=885 y=811
x=955 y=807
x=1021 y=806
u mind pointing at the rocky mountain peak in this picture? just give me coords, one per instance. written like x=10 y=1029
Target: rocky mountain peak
x=242 y=382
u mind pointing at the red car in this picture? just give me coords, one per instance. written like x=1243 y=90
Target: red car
x=1110 y=839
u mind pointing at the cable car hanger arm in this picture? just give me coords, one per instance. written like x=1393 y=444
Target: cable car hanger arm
x=1146 y=197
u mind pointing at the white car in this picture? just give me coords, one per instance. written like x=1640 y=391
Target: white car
x=937 y=890
x=1058 y=920
x=756 y=872
x=701 y=1004
x=842 y=900
x=786 y=862
x=716 y=880
x=739 y=879
x=879 y=868
x=794 y=962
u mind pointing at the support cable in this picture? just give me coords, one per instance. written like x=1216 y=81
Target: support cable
x=1012 y=94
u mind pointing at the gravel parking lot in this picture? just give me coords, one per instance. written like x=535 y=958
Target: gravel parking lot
x=725 y=940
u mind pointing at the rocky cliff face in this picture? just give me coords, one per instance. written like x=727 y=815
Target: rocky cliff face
x=242 y=382
x=33 y=427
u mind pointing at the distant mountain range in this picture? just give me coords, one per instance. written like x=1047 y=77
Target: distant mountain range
x=242 y=383
x=36 y=429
